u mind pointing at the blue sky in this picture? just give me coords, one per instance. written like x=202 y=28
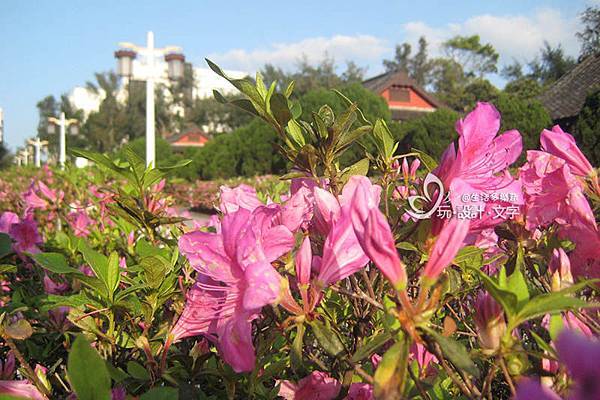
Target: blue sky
x=48 y=47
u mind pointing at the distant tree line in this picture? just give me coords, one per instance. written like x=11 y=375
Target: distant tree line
x=241 y=145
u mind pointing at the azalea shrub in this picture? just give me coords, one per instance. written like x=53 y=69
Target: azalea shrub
x=398 y=276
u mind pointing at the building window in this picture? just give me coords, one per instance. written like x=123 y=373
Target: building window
x=400 y=94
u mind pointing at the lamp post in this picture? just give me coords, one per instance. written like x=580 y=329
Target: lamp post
x=37 y=145
x=25 y=155
x=63 y=123
x=175 y=60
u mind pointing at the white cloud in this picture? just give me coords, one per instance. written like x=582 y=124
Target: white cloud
x=517 y=37
x=514 y=36
x=362 y=49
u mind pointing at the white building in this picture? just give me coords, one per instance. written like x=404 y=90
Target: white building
x=205 y=82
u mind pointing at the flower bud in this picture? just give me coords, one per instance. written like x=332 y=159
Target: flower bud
x=489 y=321
x=560 y=267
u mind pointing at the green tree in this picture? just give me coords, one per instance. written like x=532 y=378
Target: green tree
x=525 y=88
x=550 y=65
x=5 y=157
x=104 y=128
x=590 y=35
x=475 y=58
x=528 y=116
x=431 y=133
x=309 y=77
x=588 y=126
x=418 y=67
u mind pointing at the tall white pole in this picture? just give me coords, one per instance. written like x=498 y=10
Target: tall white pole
x=150 y=145
x=25 y=154
x=62 y=157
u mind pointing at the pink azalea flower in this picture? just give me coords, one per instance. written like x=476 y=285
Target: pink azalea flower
x=316 y=386
x=481 y=161
x=580 y=354
x=552 y=192
x=243 y=196
x=52 y=195
x=235 y=281
x=360 y=391
x=560 y=268
x=26 y=235
x=562 y=145
x=297 y=211
x=489 y=321
x=530 y=389
x=7 y=219
x=32 y=200
x=342 y=254
x=447 y=245
x=80 y=222
x=373 y=231
x=7 y=367
x=52 y=287
x=424 y=358
x=21 y=389
x=585 y=259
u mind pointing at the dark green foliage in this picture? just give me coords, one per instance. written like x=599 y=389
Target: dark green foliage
x=523 y=87
x=588 y=128
x=164 y=151
x=527 y=116
x=5 y=156
x=372 y=105
x=247 y=151
x=431 y=133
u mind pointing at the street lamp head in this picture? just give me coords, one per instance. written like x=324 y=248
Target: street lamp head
x=74 y=129
x=125 y=62
x=175 y=63
x=51 y=128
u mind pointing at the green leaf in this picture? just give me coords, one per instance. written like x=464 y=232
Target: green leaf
x=155 y=268
x=371 y=346
x=137 y=371
x=161 y=393
x=327 y=338
x=542 y=343
x=469 y=255
x=113 y=273
x=244 y=105
x=87 y=372
x=295 y=133
x=384 y=139
x=243 y=85
x=98 y=262
x=549 y=303
x=289 y=89
x=426 y=159
x=4 y=268
x=172 y=167
x=507 y=299
x=390 y=375
x=360 y=167
x=516 y=282
x=348 y=102
x=19 y=330
x=455 y=352
x=280 y=109
x=5 y=245
x=98 y=158
x=54 y=262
